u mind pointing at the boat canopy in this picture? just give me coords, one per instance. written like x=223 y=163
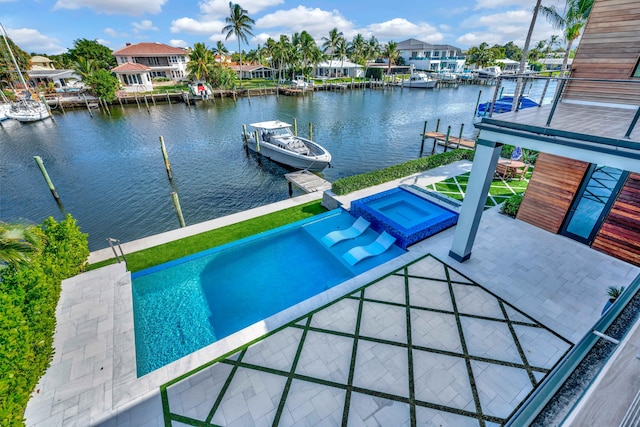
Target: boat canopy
x=271 y=125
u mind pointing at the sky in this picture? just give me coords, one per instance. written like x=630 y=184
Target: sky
x=51 y=26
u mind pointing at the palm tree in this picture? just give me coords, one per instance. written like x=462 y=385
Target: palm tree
x=84 y=67
x=220 y=49
x=342 y=48
x=17 y=243
x=332 y=41
x=574 y=19
x=357 y=49
x=525 y=51
x=201 y=60
x=553 y=42
x=480 y=55
x=238 y=23
x=390 y=52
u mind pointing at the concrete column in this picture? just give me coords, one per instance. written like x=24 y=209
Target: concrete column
x=484 y=166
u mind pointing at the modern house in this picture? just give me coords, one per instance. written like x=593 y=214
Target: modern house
x=554 y=64
x=432 y=57
x=339 y=68
x=586 y=181
x=140 y=63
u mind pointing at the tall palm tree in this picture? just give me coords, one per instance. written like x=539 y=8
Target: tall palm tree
x=553 y=42
x=201 y=60
x=525 y=51
x=238 y=24
x=571 y=22
x=390 y=52
x=17 y=243
x=331 y=42
x=342 y=48
x=357 y=49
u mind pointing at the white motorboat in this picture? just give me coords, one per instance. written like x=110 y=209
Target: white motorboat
x=277 y=142
x=419 y=80
x=200 y=90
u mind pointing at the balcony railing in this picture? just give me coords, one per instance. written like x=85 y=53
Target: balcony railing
x=611 y=93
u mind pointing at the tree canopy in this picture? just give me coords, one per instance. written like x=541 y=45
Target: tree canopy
x=91 y=49
x=7 y=69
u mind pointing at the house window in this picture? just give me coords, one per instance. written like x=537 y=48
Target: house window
x=436 y=53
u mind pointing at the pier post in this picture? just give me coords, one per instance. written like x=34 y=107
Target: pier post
x=424 y=133
x=153 y=100
x=475 y=111
x=135 y=95
x=38 y=160
x=168 y=98
x=460 y=135
x=176 y=205
x=257 y=136
x=106 y=107
x=146 y=103
x=46 y=104
x=446 y=139
x=310 y=131
x=435 y=141
x=87 y=104
x=120 y=101
x=165 y=156
x=295 y=127
x=244 y=134
x=62 y=106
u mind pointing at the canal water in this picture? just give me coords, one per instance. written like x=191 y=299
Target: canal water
x=109 y=171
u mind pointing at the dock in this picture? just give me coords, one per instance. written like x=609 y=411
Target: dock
x=454 y=142
x=306 y=181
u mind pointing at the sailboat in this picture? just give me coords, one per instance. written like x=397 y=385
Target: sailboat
x=26 y=109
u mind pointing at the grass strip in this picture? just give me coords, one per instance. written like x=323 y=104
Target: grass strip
x=146 y=258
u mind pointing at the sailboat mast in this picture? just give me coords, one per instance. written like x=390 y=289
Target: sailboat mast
x=13 y=58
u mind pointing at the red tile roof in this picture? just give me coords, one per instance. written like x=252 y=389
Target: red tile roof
x=149 y=49
x=130 y=66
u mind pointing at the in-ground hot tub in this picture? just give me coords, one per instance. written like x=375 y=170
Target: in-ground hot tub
x=405 y=215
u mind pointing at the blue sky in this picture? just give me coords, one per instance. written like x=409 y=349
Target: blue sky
x=51 y=26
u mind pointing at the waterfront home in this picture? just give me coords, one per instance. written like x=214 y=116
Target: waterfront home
x=585 y=185
x=140 y=63
x=432 y=57
x=339 y=68
x=554 y=64
x=254 y=71
x=43 y=71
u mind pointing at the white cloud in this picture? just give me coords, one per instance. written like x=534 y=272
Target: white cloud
x=111 y=32
x=398 y=29
x=316 y=22
x=192 y=26
x=178 y=43
x=31 y=40
x=104 y=42
x=114 y=7
x=495 y=4
x=220 y=8
x=144 y=25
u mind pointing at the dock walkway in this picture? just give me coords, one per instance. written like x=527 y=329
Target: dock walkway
x=307 y=181
x=455 y=142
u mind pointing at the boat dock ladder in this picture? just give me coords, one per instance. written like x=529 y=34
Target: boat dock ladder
x=113 y=243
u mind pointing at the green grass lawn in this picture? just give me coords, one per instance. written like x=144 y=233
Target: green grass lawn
x=140 y=260
x=499 y=192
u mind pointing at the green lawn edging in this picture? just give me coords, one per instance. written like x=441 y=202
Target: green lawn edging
x=156 y=255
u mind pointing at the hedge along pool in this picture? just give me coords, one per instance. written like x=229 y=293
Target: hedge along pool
x=187 y=304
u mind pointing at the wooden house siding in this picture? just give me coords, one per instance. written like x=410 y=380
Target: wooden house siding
x=551 y=190
x=619 y=235
x=609 y=49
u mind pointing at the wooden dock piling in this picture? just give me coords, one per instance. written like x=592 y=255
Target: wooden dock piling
x=54 y=193
x=165 y=156
x=176 y=205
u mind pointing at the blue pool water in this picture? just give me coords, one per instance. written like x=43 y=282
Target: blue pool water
x=406 y=216
x=184 y=305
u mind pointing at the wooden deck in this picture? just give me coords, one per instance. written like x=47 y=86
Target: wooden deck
x=454 y=142
x=307 y=181
x=595 y=120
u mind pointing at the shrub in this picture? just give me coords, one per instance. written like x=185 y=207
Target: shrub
x=28 y=298
x=349 y=184
x=512 y=205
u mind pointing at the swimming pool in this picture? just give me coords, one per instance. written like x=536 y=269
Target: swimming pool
x=182 y=306
x=406 y=216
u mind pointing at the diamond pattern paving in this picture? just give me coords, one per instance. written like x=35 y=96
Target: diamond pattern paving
x=422 y=346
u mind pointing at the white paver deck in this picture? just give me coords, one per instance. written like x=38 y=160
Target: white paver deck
x=520 y=282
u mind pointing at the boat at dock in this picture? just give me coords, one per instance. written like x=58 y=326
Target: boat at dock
x=504 y=104
x=419 y=80
x=200 y=90
x=4 y=109
x=276 y=141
